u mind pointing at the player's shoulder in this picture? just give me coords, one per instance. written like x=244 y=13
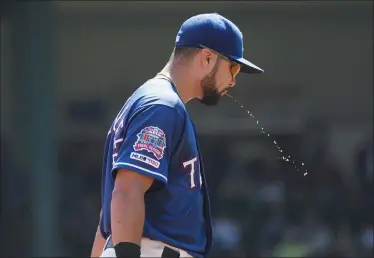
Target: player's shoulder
x=158 y=92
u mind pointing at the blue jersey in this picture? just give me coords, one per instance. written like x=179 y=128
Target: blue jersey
x=153 y=135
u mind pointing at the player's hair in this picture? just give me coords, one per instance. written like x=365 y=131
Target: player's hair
x=184 y=54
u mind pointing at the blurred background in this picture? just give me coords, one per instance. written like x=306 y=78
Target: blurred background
x=67 y=67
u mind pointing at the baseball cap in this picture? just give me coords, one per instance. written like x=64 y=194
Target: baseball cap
x=217 y=33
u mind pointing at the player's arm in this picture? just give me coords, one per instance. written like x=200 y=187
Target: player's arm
x=141 y=158
x=99 y=242
x=127 y=207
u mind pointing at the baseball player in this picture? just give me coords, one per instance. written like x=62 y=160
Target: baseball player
x=155 y=199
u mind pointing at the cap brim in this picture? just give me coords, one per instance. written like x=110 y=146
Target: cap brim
x=247 y=67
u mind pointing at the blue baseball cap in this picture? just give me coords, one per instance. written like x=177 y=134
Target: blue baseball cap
x=218 y=33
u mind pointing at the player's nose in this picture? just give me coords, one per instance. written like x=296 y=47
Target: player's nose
x=233 y=82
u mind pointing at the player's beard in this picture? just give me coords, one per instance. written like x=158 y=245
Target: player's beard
x=211 y=95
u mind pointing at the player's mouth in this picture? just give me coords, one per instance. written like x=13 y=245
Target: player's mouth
x=224 y=92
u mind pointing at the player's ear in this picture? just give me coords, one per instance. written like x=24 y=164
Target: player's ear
x=206 y=57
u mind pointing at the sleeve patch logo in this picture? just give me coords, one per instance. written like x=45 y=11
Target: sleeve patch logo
x=144 y=159
x=151 y=139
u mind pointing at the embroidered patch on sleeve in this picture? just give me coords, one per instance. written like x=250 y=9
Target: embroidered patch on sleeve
x=147 y=160
x=151 y=139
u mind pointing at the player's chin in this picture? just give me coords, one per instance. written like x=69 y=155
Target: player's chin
x=211 y=100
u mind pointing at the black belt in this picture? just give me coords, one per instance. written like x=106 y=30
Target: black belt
x=166 y=253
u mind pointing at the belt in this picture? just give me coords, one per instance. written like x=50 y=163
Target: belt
x=166 y=253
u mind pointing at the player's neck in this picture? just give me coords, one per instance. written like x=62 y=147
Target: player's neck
x=182 y=80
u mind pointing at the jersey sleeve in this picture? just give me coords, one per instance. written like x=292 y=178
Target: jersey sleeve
x=146 y=143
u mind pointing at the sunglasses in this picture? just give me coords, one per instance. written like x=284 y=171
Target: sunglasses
x=235 y=67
